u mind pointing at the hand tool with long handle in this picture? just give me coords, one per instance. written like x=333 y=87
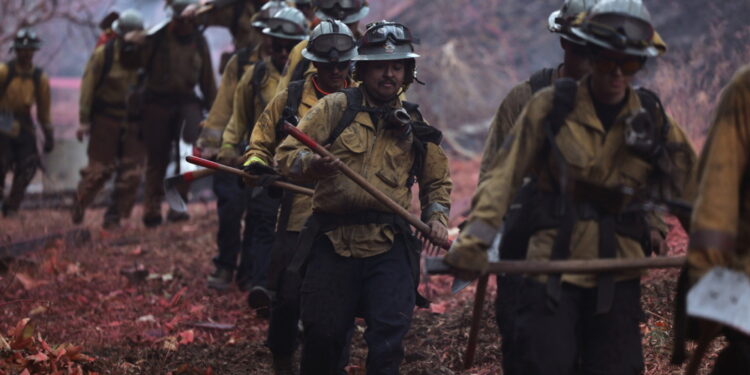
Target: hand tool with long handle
x=225 y=168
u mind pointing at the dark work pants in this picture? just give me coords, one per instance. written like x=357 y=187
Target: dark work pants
x=262 y=213
x=282 y=328
x=337 y=288
x=509 y=290
x=572 y=339
x=230 y=239
x=285 y=310
x=20 y=155
x=735 y=358
x=164 y=120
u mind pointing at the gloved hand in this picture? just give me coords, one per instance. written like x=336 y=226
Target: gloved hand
x=209 y=142
x=256 y=166
x=467 y=257
x=227 y=155
x=84 y=130
x=49 y=140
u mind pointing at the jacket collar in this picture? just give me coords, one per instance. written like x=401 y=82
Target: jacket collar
x=584 y=112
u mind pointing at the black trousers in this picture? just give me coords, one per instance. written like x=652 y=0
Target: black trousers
x=571 y=339
x=285 y=310
x=335 y=289
x=509 y=290
x=735 y=358
x=230 y=239
x=20 y=155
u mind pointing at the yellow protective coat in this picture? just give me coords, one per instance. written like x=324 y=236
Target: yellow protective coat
x=720 y=218
x=592 y=155
x=248 y=104
x=20 y=97
x=108 y=98
x=221 y=109
x=502 y=123
x=381 y=158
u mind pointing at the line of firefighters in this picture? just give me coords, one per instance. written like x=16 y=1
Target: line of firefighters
x=573 y=156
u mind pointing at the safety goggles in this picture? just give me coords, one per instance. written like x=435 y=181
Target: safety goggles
x=278 y=25
x=343 y=4
x=324 y=44
x=619 y=31
x=279 y=44
x=381 y=32
x=330 y=66
x=606 y=63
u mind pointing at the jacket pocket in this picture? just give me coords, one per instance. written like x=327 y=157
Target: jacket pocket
x=634 y=172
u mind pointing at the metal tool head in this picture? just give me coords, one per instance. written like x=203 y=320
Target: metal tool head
x=172 y=194
x=493 y=255
x=722 y=296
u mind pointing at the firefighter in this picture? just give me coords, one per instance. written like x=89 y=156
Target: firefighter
x=361 y=259
x=115 y=145
x=22 y=86
x=349 y=12
x=599 y=151
x=256 y=88
x=718 y=235
x=574 y=65
x=177 y=59
x=331 y=48
x=231 y=239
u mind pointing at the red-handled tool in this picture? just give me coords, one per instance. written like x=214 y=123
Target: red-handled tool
x=225 y=168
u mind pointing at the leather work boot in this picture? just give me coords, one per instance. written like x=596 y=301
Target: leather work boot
x=221 y=279
x=174 y=216
x=77 y=213
x=259 y=299
x=152 y=221
x=283 y=365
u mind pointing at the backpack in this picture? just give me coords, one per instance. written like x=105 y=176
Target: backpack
x=423 y=133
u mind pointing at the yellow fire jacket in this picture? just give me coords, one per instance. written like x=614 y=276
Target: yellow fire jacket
x=249 y=104
x=381 y=157
x=720 y=218
x=105 y=95
x=593 y=155
x=20 y=96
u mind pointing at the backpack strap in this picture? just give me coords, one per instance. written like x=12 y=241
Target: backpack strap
x=36 y=76
x=11 y=74
x=300 y=69
x=353 y=106
x=243 y=60
x=109 y=56
x=290 y=113
x=259 y=75
x=652 y=104
x=541 y=79
x=423 y=134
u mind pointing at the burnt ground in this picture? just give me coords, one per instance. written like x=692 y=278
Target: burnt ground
x=135 y=300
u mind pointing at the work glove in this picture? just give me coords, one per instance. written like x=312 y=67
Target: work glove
x=227 y=155
x=209 y=143
x=266 y=176
x=84 y=130
x=49 y=140
x=467 y=257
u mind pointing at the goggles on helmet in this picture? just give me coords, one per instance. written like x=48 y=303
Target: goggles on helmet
x=620 y=31
x=344 y=4
x=324 y=44
x=286 y=27
x=380 y=33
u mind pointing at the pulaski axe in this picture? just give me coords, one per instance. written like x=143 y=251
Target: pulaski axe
x=177 y=187
x=225 y=168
